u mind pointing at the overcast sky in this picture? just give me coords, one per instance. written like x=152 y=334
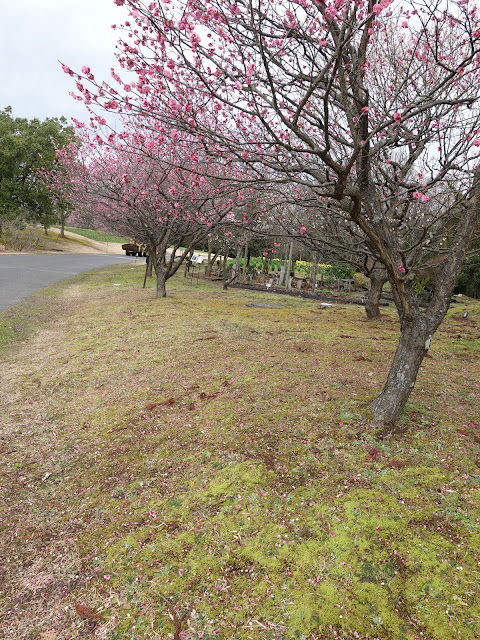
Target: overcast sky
x=35 y=35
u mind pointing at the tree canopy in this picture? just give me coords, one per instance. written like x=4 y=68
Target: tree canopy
x=26 y=146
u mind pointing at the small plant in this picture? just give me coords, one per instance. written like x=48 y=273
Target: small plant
x=419 y=284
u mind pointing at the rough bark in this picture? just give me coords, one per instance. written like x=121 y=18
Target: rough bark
x=372 y=301
x=161 y=288
x=415 y=340
x=149 y=266
x=160 y=273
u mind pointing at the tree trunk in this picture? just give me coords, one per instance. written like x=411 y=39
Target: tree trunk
x=62 y=228
x=224 y=270
x=160 y=272
x=161 y=289
x=415 y=340
x=149 y=266
x=235 y=275
x=372 y=302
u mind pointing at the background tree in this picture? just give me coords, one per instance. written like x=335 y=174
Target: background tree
x=153 y=189
x=25 y=147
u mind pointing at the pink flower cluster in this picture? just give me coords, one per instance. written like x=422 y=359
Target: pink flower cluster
x=420 y=196
x=383 y=4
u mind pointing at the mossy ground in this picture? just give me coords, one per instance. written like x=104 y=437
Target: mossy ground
x=195 y=467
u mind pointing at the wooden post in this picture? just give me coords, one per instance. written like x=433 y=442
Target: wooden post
x=245 y=258
x=289 y=266
x=314 y=270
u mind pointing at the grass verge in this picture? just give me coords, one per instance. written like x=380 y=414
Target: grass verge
x=99 y=236
x=196 y=467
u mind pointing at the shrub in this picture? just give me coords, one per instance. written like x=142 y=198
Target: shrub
x=469 y=278
x=361 y=281
x=339 y=270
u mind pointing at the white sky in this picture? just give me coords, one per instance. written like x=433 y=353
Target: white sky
x=35 y=35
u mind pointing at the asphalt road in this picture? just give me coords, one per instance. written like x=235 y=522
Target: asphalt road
x=22 y=275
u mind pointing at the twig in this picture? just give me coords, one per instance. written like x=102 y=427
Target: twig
x=177 y=621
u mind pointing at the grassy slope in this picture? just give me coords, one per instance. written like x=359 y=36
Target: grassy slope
x=99 y=236
x=33 y=238
x=195 y=456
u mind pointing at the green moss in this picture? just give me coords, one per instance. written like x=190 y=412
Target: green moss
x=248 y=488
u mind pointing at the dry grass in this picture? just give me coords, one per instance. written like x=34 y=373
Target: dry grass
x=198 y=468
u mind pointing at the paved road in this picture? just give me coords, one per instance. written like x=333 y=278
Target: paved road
x=22 y=275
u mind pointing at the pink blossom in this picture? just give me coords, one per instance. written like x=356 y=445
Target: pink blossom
x=397 y=117
x=107 y=576
x=377 y=8
x=195 y=40
x=303 y=230
x=86 y=70
x=119 y=2
x=330 y=13
x=67 y=70
x=420 y=196
x=401 y=268
x=365 y=110
x=476 y=142
x=250 y=70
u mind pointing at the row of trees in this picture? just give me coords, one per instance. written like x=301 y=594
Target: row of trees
x=350 y=125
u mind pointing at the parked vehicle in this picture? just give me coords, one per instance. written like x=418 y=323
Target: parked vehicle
x=134 y=249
